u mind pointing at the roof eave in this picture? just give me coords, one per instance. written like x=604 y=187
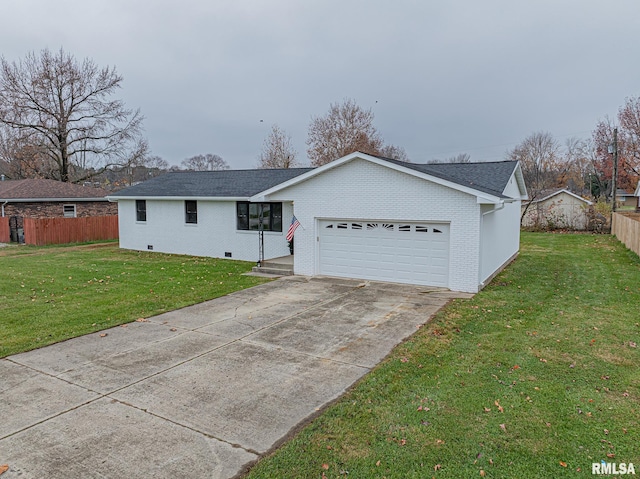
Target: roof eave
x=180 y=198
x=51 y=200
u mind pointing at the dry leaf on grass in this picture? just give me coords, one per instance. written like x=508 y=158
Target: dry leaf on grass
x=503 y=427
x=563 y=464
x=325 y=466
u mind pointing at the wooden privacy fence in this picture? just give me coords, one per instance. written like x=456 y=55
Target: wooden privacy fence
x=626 y=227
x=69 y=230
x=4 y=229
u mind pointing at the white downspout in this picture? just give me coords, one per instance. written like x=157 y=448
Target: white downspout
x=493 y=210
x=3 y=207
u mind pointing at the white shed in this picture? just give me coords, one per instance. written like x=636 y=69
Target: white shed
x=556 y=209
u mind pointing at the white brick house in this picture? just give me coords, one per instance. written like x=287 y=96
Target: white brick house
x=362 y=216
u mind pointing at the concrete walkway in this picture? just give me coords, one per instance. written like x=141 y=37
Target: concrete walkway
x=202 y=392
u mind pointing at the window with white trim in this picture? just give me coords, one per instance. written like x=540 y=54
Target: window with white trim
x=191 y=212
x=69 y=211
x=141 y=210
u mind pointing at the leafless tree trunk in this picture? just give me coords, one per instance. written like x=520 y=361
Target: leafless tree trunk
x=63 y=108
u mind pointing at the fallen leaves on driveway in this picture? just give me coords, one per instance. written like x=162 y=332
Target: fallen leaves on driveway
x=4 y=468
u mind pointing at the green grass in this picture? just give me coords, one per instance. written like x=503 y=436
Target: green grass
x=548 y=351
x=49 y=294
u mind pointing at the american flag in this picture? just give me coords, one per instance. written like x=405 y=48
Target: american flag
x=292 y=228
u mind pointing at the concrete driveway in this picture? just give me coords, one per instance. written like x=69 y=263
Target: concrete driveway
x=204 y=391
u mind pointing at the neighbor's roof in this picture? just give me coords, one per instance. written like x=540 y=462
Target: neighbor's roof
x=544 y=195
x=216 y=184
x=48 y=190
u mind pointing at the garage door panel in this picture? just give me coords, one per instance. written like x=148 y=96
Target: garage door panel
x=404 y=252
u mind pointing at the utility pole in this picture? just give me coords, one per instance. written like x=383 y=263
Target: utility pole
x=614 y=187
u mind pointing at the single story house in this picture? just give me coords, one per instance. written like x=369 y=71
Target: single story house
x=625 y=198
x=556 y=208
x=40 y=198
x=361 y=216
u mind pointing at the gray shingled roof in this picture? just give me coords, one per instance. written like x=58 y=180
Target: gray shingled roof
x=487 y=177
x=222 y=183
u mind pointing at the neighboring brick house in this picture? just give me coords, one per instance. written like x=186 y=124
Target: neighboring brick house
x=38 y=198
x=361 y=216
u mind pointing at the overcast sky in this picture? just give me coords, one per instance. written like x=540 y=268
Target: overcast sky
x=442 y=78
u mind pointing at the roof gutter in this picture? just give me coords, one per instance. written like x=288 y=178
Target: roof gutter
x=179 y=198
x=54 y=200
x=493 y=210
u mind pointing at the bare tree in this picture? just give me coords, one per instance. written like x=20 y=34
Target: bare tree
x=540 y=159
x=459 y=158
x=579 y=159
x=344 y=129
x=157 y=164
x=277 y=150
x=395 y=153
x=208 y=162
x=63 y=108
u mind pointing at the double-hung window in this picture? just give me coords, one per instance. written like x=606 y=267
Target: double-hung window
x=251 y=215
x=141 y=210
x=191 y=212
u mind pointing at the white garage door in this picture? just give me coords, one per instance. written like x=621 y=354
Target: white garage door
x=402 y=252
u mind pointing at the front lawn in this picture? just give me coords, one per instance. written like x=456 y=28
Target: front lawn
x=536 y=376
x=49 y=294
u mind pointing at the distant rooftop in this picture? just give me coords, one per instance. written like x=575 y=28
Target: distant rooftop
x=39 y=189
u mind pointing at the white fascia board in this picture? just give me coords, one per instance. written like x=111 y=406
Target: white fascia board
x=482 y=197
x=52 y=200
x=179 y=198
x=540 y=200
x=517 y=173
x=637 y=192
